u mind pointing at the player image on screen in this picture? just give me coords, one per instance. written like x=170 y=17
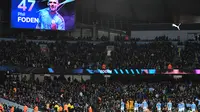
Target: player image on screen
x=43 y=14
x=49 y=18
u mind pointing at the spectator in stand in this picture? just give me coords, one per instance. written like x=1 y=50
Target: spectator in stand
x=49 y=91
x=143 y=56
x=1 y=108
x=99 y=95
x=125 y=55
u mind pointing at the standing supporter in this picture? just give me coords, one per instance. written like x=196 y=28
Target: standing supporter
x=12 y=109
x=158 y=106
x=65 y=108
x=198 y=101
x=36 y=109
x=47 y=107
x=144 y=105
x=15 y=90
x=131 y=105
x=193 y=107
x=60 y=109
x=183 y=106
x=127 y=105
x=122 y=106
x=90 y=109
x=169 y=106
x=1 y=108
x=170 y=68
x=136 y=107
x=56 y=107
x=25 y=108
x=72 y=108
x=180 y=107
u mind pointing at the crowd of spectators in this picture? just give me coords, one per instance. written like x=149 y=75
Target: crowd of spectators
x=7 y=108
x=31 y=54
x=82 y=95
x=101 y=96
x=190 y=55
x=155 y=54
x=150 y=55
x=68 y=38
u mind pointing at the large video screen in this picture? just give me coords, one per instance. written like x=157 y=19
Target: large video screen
x=43 y=14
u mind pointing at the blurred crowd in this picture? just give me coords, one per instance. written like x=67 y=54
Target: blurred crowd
x=190 y=56
x=70 y=55
x=156 y=54
x=150 y=55
x=51 y=95
x=110 y=96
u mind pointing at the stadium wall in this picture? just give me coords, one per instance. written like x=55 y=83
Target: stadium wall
x=85 y=33
x=149 y=35
x=77 y=77
x=41 y=76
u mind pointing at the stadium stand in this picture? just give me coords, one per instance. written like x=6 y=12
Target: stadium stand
x=86 y=54
x=87 y=96
x=99 y=95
